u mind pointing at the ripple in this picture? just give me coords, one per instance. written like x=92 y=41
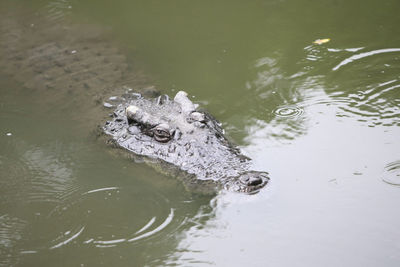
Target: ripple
x=156 y=230
x=69 y=239
x=98 y=214
x=11 y=232
x=37 y=174
x=150 y=223
x=101 y=189
x=314 y=53
x=57 y=10
x=51 y=170
x=391 y=174
x=364 y=55
x=288 y=112
x=369 y=88
x=377 y=104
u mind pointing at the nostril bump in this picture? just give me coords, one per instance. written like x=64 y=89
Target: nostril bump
x=245 y=179
x=254 y=181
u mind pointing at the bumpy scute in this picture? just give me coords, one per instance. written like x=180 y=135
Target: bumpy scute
x=177 y=133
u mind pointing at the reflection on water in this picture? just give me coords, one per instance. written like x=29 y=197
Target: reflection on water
x=10 y=234
x=322 y=119
x=60 y=194
x=58 y=9
x=326 y=201
x=58 y=198
x=364 y=55
x=364 y=85
x=33 y=179
x=332 y=126
x=288 y=112
x=97 y=206
x=391 y=173
x=33 y=174
x=53 y=179
x=375 y=100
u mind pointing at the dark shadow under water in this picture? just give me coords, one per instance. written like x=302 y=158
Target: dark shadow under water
x=63 y=195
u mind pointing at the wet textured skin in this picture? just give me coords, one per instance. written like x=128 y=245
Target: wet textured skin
x=183 y=141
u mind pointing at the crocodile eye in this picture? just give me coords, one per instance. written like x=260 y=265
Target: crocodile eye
x=162 y=133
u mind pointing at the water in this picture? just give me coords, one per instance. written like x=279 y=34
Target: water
x=323 y=119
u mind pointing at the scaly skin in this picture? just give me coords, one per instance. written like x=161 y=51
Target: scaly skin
x=192 y=141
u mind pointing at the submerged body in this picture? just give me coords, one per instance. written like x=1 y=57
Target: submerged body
x=72 y=67
x=187 y=139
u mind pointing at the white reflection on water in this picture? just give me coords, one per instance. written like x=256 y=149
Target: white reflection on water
x=159 y=228
x=269 y=73
x=326 y=203
x=317 y=209
x=101 y=189
x=364 y=55
x=150 y=223
x=288 y=111
x=391 y=173
x=69 y=239
x=97 y=222
x=369 y=88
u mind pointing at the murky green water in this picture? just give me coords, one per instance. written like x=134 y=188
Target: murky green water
x=323 y=119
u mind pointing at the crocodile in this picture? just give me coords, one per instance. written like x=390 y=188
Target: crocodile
x=63 y=66
x=184 y=137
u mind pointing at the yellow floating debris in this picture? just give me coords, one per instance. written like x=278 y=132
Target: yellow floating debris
x=321 y=41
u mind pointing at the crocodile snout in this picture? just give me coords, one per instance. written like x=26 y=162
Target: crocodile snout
x=254 y=178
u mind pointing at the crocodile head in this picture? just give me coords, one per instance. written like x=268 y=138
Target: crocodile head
x=177 y=132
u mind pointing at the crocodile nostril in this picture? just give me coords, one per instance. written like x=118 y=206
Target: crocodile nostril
x=254 y=181
x=254 y=178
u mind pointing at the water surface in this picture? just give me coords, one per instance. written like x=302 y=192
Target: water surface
x=323 y=119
